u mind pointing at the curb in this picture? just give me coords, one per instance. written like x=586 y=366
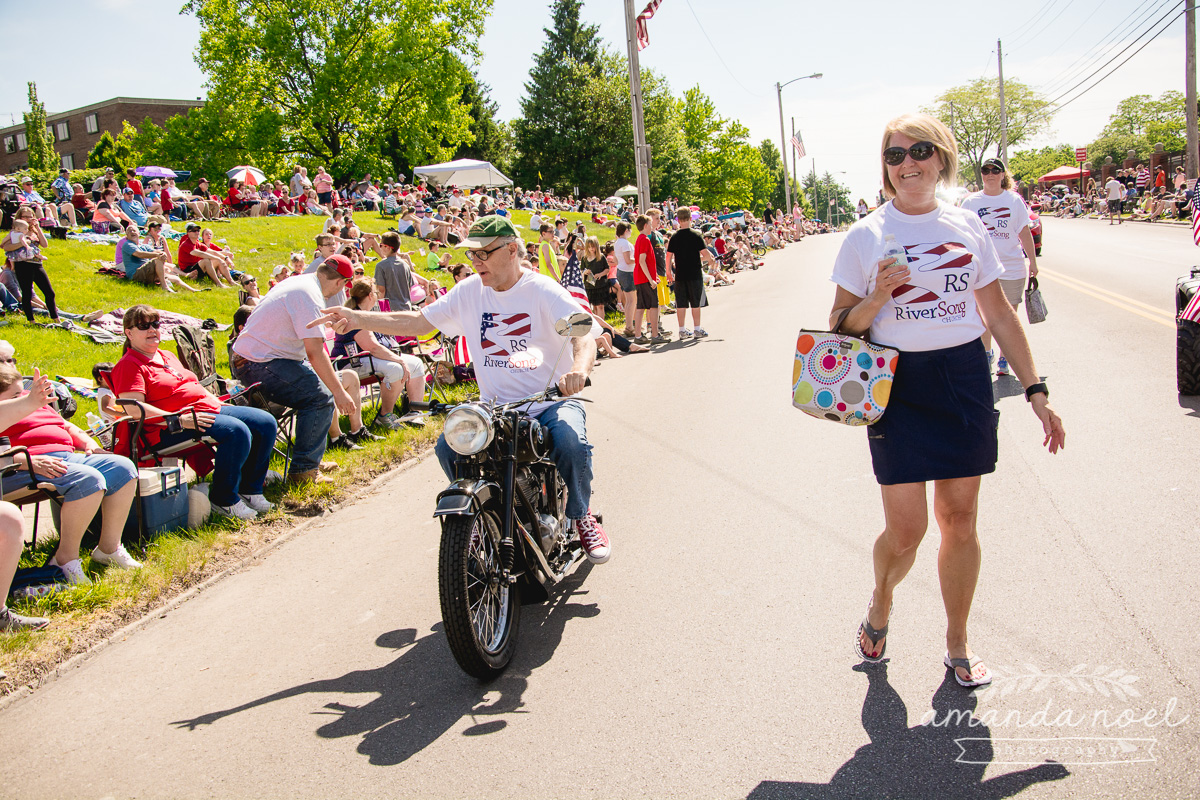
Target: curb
x=80 y=659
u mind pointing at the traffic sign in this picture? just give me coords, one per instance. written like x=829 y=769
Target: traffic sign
x=1081 y=154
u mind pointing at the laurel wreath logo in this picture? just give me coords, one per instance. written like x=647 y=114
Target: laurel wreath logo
x=1117 y=683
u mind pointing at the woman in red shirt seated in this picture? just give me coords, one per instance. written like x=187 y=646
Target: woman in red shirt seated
x=244 y=436
x=87 y=478
x=237 y=199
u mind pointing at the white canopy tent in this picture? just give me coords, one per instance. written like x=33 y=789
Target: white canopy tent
x=464 y=173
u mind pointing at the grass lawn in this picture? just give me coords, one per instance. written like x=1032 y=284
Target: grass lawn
x=174 y=562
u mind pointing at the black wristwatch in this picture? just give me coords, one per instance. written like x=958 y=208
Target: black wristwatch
x=1034 y=389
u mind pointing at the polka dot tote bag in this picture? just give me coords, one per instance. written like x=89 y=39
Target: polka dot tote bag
x=842 y=378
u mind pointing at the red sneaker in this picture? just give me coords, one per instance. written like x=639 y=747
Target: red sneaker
x=594 y=539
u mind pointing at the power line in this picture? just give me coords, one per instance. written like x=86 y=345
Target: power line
x=718 y=55
x=1105 y=45
x=1021 y=30
x=1114 y=58
x=1073 y=33
x=1118 y=66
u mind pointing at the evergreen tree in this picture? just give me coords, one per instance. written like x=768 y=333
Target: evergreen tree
x=492 y=142
x=552 y=136
x=38 y=138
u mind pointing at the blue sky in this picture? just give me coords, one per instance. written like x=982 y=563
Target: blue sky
x=878 y=59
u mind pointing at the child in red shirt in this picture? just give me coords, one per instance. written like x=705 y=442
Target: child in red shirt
x=645 y=283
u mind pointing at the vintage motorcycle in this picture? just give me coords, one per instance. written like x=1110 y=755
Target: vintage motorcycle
x=505 y=536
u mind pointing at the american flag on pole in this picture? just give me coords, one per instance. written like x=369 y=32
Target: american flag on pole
x=1195 y=221
x=572 y=280
x=798 y=143
x=643 y=34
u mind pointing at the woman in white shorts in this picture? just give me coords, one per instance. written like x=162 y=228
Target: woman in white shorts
x=397 y=372
x=1006 y=218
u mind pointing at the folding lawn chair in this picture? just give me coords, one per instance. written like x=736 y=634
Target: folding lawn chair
x=11 y=460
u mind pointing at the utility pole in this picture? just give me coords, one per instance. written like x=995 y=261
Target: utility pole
x=1003 y=110
x=787 y=183
x=641 y=151
x=788 y=210
x=1192 y=159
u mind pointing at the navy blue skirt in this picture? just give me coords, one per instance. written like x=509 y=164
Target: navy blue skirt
x=940 y=421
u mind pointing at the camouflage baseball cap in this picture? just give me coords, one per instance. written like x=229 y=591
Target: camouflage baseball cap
x=487 y=229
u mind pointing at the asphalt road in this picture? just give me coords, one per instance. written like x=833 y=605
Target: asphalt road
x=712 y=657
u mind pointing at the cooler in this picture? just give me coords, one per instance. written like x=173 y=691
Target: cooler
x=163 y=495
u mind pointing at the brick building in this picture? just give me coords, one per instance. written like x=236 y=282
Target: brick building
x=77 y=131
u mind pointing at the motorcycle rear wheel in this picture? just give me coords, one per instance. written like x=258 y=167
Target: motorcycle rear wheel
x=480 y=613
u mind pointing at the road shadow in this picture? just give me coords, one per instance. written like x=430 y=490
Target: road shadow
x=422 y=694
x=1008 y=386
x=1191 y=403
x=917 y=762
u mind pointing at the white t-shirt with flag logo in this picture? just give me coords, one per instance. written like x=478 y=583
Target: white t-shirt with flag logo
x=510 y=335
x=1004 y=215
x=950 y=256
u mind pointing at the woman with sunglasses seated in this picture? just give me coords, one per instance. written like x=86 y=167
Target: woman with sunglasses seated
x=244 y=436
x=88 y=479
x=1003 y=213
x=940 y=423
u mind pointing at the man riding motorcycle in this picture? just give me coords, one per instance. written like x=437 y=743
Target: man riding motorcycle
x=507 y=315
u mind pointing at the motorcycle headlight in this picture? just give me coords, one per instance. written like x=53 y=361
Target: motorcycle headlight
x=468 y=429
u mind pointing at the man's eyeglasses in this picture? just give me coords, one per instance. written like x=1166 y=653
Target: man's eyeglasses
x=9 y=360
x=483 y=255
x=145 y=326
x=921 y=151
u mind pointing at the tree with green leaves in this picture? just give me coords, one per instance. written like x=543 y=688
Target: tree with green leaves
x=336 y=82
x=490 y=140
x=972 y=111
x=1029 y=165
x=1140 y=122
x=553 y=138
x=729 y=170
x=111 y=152
x=38 y=137
x=830 y=198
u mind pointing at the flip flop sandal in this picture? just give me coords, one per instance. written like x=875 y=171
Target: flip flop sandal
x=872 y=634
x=969 y=665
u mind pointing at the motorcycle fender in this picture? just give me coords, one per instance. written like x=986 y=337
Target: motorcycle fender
x=465 y=497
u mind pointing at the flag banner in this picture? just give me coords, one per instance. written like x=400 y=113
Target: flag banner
x=572 y=280
x=1195 y=221
x=643 y=33
x=461 y=356
x=799 y=145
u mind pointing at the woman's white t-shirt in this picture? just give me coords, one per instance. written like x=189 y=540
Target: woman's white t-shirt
x=621 y=248
x=950 y=255
x=1004 y=215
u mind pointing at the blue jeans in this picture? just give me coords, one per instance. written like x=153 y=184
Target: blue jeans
x=244 y=438
x=295 y=385
x=570 y=452
x=85 y=475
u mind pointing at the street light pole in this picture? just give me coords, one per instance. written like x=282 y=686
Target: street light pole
x=787 y=183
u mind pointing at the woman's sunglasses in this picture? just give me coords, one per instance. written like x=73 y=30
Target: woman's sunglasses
x=991 y=171
x=145 y=326
x=921 y=151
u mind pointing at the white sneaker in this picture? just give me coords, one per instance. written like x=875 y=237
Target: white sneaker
x=75 y=575
x=684 y=333
x=121 y=558
x=258 y=503
x=238 y=510
x=699 y=333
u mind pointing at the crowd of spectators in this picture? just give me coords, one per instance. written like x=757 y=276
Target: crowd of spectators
x=676 y=254
x=1135 y=191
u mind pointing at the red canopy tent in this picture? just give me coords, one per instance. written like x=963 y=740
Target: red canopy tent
x=1063 y=174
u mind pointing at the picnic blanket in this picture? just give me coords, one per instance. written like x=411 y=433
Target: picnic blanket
x=111 y=323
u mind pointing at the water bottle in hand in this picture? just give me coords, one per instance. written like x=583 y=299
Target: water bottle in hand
x=893 y=249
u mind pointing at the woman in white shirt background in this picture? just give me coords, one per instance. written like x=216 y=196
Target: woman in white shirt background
x=940 y=423
x=1006 y=218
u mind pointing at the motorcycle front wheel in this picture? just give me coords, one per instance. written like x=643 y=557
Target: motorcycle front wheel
x=480 y=612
